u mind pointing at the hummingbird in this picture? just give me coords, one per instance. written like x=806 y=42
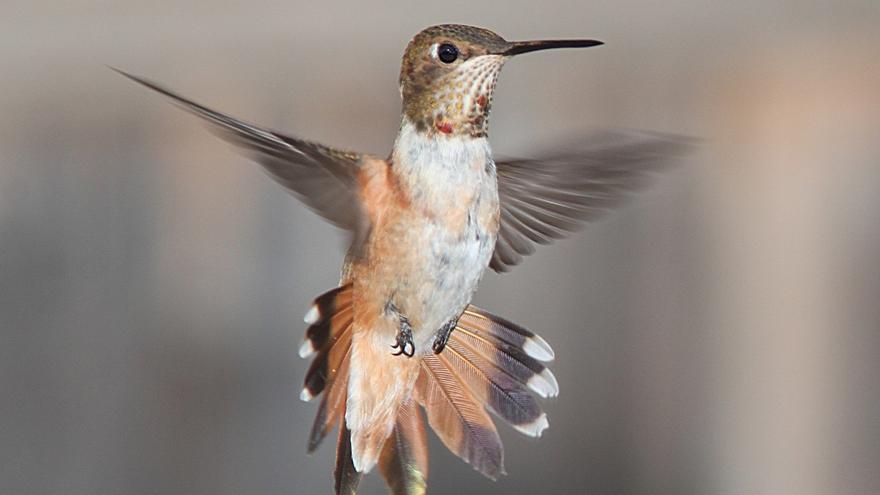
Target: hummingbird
x=398 y=340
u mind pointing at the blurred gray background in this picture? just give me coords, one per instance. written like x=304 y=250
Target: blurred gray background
x=718 y=335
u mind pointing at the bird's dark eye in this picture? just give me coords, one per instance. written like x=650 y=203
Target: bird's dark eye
x=447 y=53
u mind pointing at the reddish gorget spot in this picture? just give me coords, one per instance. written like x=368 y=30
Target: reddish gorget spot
x=444 y=127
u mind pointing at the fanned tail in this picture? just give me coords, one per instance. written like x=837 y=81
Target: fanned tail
x=489 y=365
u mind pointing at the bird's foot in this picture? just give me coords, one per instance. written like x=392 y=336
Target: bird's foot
x=404 y=344
x=404 y=340
x=443 y=336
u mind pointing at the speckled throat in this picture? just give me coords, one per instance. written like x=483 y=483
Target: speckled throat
x=459 y=102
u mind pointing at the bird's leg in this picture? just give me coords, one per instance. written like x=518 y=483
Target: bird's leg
x=443 y=335
x=404 y=343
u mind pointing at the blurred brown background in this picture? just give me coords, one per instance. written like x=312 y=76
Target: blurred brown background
x=718 y=335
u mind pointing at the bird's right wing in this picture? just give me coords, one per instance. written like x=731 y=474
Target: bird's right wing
x=325 y=179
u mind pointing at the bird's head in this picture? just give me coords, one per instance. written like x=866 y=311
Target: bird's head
x=448 y=76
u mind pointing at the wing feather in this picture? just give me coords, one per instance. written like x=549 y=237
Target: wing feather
x=324 y=178
x=548 y=198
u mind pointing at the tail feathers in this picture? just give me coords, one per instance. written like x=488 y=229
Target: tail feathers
x=329 y=321
x=328 y=335
x=404 y=459
x=458 y=419
x=332 y=407
x=488 y=364
x=346 y=477
x=378 y=383
x=479 y=321
x=325 y=318
x=492 y=341
x=495 y=389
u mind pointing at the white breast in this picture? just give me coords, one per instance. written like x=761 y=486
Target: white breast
x=437 y=170
x=450 y=178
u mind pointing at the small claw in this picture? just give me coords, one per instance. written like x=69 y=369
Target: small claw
x=439 y=345
x=443 y=336
x=402 y=348
x=404 y=344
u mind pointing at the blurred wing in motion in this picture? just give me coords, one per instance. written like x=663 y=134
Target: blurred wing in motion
x=325 y=179
x=547 y=198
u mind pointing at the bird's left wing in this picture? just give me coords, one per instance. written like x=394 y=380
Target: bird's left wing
x=547 y=198
x=324 y=178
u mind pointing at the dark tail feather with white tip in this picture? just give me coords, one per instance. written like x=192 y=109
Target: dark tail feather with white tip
x=329 y=338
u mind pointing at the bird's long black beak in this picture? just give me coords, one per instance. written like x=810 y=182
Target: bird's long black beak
x=518 y=47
